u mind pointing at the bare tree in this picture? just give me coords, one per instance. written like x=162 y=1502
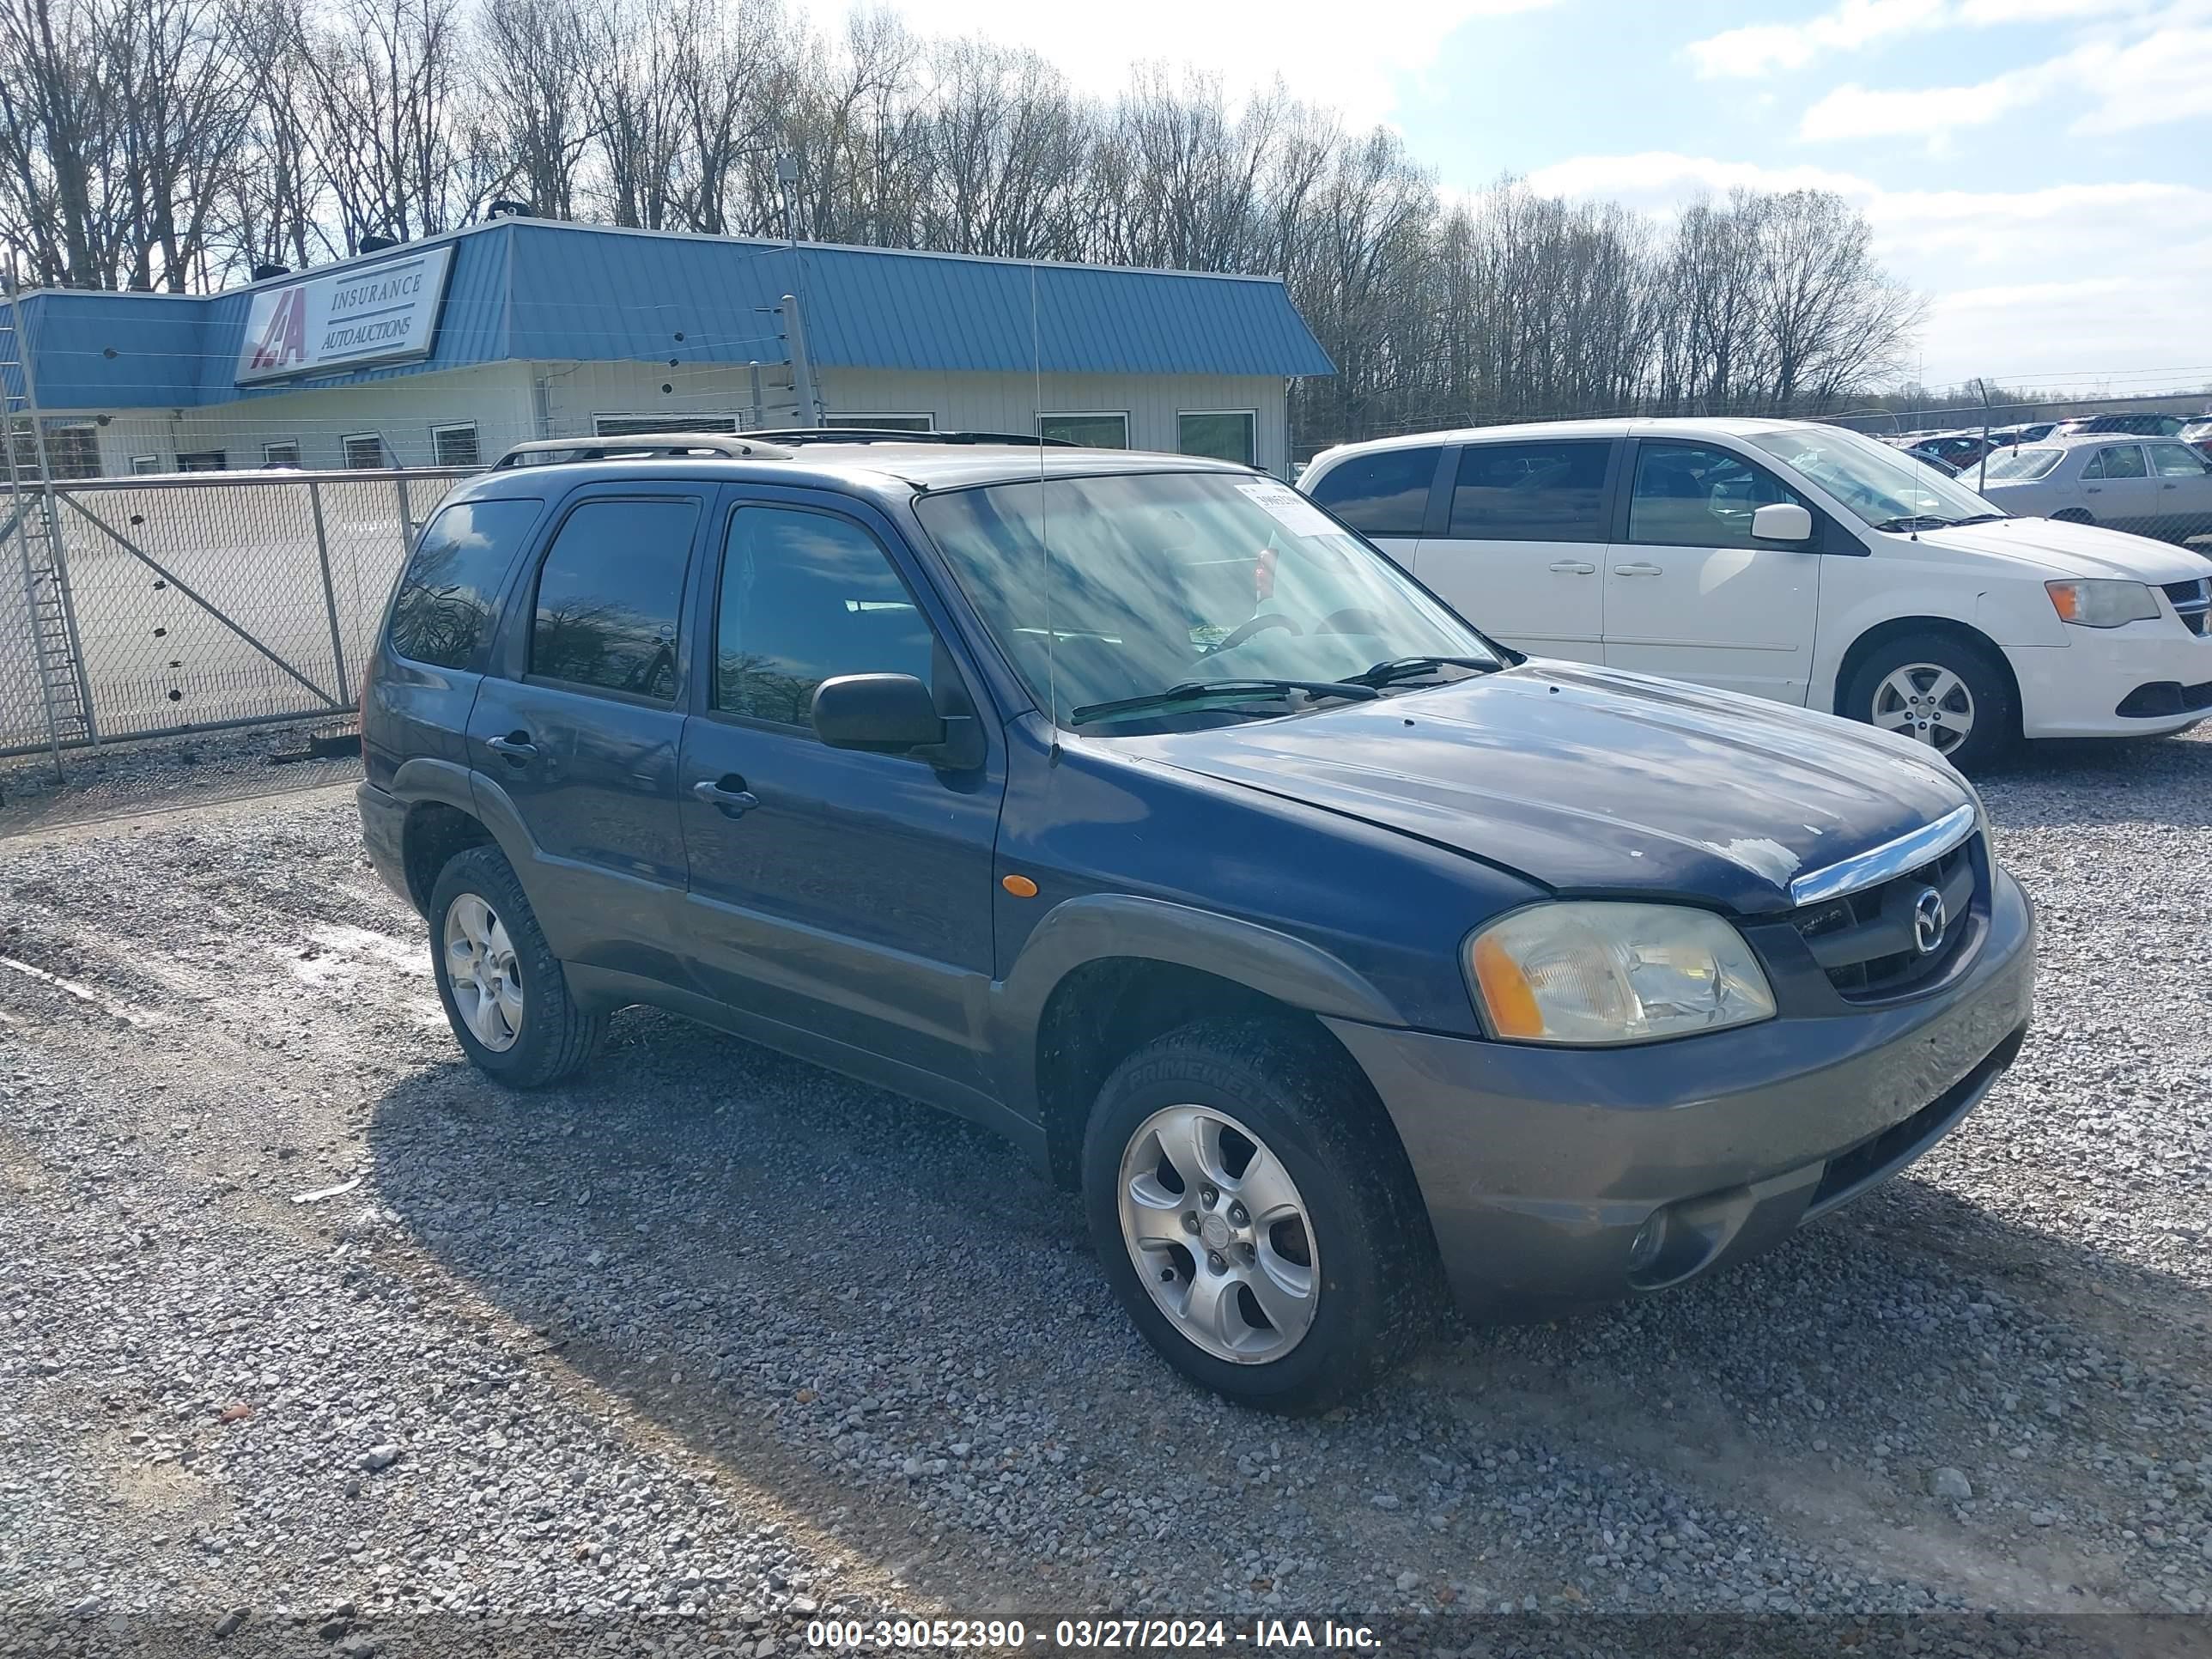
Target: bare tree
x=535 y=60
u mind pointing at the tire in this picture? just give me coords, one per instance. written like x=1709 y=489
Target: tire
x=539 y=1035
x=1977 y=687
x=1374 y=1289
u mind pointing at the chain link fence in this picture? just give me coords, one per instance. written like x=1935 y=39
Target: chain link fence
x=165 y=608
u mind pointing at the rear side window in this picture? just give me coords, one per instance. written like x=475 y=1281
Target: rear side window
x=1538 y=492
x=806 y=596
x=1382 y=493
x=609 y=593
x=443 y=610
x=2116 y=461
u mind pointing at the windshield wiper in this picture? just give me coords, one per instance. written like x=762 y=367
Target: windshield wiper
x=1922 y=521
x=1981 y=518
x=1405 y=668
x=1196 y=690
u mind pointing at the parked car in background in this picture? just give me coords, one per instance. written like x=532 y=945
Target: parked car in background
x=2159 y=487
x=2197 y=433
x=1957 y=451
x=2141 y=426
x=2026 y=433
x=1801 y=563
x=1132 y=806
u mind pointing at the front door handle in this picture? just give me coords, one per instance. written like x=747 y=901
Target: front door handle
x=727 y=794
x=516 y=746
x=1639 y=570
x=1574 y=567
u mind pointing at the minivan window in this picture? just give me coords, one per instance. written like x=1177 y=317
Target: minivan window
x=806 y=597
x=1695 y=496
x=1531 y=492
x=443 y=610
x=2117 y=461
x=609 y=592
x=1384 y=492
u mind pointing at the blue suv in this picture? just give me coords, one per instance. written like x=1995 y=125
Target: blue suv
x=1134 y=806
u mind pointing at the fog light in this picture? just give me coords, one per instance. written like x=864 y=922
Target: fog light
x=1643 y=1249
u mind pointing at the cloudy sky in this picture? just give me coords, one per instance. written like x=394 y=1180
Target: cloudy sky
x=2041 y=169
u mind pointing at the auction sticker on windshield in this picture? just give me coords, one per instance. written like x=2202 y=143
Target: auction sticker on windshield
x=1290 y=509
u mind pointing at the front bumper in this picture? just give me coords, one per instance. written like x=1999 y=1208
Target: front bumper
x=2077 y=690
x=1541 y=1167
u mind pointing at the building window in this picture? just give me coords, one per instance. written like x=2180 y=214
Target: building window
x=455 y=445
x=285 y=453
x=885 y=422
x=145 y=462
x=1094 y=429
x=363 y=450
x=1227 y=435
x=202 y=460
x=634 y=425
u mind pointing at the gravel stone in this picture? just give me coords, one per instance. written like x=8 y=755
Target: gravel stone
x=680 y=1334
x=1951 y=1484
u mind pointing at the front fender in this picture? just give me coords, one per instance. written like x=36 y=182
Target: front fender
x=1100 y=926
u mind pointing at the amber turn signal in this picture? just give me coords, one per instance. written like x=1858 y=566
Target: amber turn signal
x=1019 y=886
x=1506 y=991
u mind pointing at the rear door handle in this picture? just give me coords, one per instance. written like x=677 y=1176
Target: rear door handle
x=517 y=748
x=1574 y=567
x=733 y=803
x=1639 y=570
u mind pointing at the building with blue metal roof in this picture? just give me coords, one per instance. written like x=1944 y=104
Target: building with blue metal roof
x=446 y=350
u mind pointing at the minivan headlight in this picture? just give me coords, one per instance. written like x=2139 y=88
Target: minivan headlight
x=2103 y=602
x=1590 y=972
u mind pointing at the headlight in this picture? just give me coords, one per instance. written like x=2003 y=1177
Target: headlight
x=1587 y=973
x=2101 y=603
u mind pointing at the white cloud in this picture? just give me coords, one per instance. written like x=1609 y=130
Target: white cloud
x=2165 y=76
x=1853 y=25
x=1930 y=112
x=1353 y=63
x=2062 y=279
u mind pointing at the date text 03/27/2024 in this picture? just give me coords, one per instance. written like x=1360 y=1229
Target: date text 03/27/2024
x=1085 y=1635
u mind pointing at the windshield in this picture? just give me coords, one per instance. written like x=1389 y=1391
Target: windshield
x=2014 y=465
x=1873 y=481
x=1160 y=578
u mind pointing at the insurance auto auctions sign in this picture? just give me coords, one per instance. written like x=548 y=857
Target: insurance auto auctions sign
x=353 y=318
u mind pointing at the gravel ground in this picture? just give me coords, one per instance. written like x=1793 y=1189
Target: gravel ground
x=710 y=1341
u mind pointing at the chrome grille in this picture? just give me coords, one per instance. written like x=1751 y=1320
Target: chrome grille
x=1866 y=941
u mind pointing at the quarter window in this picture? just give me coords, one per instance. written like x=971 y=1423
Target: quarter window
x=1538 y=492
x=806 y=597
x=1384 y=492
x=2117 y=461
x=443 y=610
x=1693 y=496
x=609 y=593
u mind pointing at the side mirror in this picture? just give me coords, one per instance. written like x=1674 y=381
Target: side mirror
x=885 y=714
x=1781 y=521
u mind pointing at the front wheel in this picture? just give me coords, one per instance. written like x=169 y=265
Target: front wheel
x=1940 y=690
x=1256 y=1216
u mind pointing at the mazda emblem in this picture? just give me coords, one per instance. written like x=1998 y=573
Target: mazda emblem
x=1928 y=922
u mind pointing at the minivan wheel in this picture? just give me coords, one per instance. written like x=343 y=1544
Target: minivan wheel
x=1938 y=690
x=502 y=988
x=1256 y=1216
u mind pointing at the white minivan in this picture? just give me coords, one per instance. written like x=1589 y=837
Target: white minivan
x=1793 y=561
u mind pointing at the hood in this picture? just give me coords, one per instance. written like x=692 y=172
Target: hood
x=2072 y=550
x=1593 y=780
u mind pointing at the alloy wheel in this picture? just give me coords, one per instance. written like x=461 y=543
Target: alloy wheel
x=1926 y=702
x=480 y=965
x=1219 y=1234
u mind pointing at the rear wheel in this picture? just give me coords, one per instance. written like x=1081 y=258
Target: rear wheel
x=1939 y=690
x=1256 y=1216
x=502 y=988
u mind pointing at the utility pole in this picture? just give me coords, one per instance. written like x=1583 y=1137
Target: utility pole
x=802 y=364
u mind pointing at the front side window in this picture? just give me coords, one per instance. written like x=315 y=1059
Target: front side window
x=2176 y=461
x=609 y=593
x=1104 y=588
x=1226 y=436
x=1695 y=496
x=2017 y=466
x=1384 y=492
x=2117 y=461
x=443 y=610
x=806 y=596
x=1100 y=431
x=1531 y=492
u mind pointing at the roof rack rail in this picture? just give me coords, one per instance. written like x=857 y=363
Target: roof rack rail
x=892 y=435
x=641 y=446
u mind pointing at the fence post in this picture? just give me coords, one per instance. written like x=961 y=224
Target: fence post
x=23 y=531
x=330 y=593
